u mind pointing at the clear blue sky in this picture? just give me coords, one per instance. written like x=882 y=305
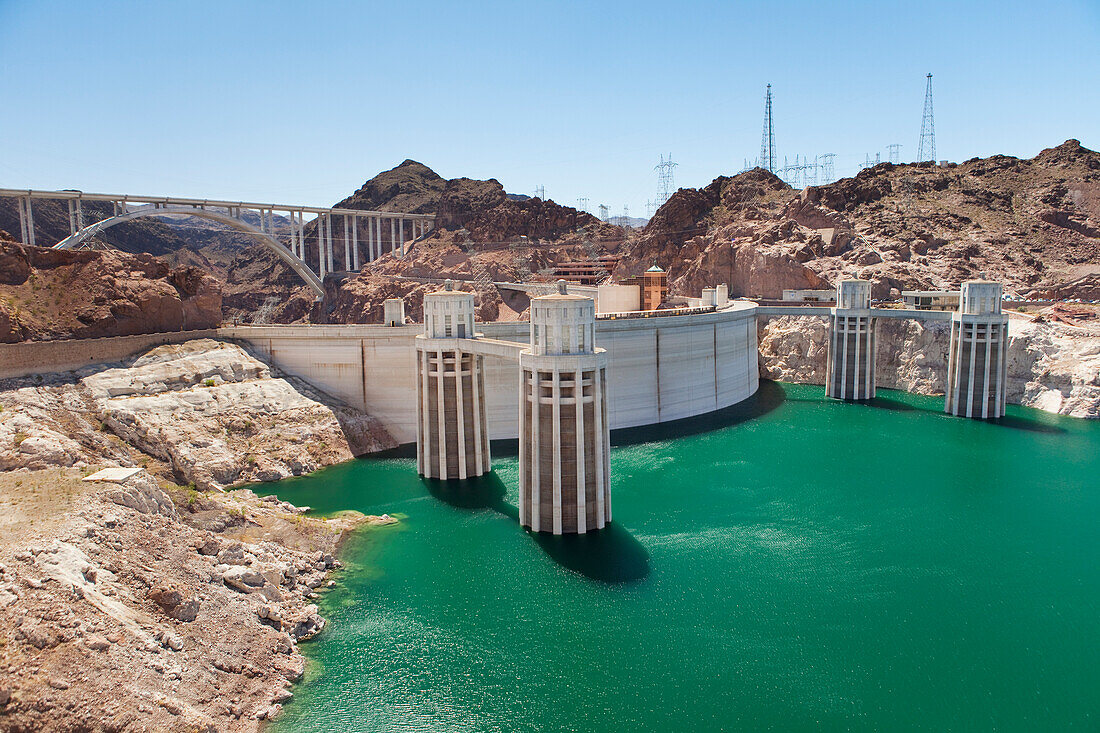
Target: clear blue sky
x=301 y=103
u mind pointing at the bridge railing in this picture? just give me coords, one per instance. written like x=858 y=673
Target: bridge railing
x=365 y=235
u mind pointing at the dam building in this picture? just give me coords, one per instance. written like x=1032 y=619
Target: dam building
x=564 y=434
x=564 y=438
x=976 y=367
x=452 y=436
x=850 y=370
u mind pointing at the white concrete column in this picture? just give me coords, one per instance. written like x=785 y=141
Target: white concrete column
x=347 y=245
x=321 y=244
x=393 y=237
x=401 y=236
x=476 y=365
x=79 y=214
x=423 y=448
x=355 y=242
x=20 y=204
x=72 y=218
x=973 y=360
x=524 y=400
x=441 y=414
x=1002 y=370
x=536 y=473
x=598 y=418
x=328 y=237
x=556 y=407
x=844 y=360
x=461 y=414
x=578 y=394
x=30 y=221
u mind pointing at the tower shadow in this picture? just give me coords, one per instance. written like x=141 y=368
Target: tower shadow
x=1031 y=425
x=609 y=555
x=887 y=403
x=482 y=492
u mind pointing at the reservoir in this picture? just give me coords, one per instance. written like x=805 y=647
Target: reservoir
x=792 y=563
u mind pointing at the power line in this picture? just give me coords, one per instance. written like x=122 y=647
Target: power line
x=767 y=138
x=926 y=150
x=665 y=184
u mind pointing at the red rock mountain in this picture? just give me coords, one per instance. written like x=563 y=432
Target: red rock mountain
x=48 y=293
x=1033 y=224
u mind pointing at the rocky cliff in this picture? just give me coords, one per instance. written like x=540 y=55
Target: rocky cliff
x=47 y=293
x=207 y=412
x=1051 y=367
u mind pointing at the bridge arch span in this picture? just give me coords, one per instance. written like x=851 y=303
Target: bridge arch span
x=300 y=267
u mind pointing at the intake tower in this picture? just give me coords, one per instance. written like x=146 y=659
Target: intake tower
x=564 y=437
x=452 y=432
x=850 y=374
x=976 y=367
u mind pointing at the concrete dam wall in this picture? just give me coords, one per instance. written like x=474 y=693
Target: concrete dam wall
x=659 y=369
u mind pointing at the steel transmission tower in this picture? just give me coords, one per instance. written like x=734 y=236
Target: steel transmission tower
x=895 y=154
x=665 y=185
x=603 y=212
x=540 y=192
x=582 y=204
x=767 y=139
x=926 y=150
x=827 y=165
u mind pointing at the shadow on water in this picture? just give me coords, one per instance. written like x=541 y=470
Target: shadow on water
x=768 y=397
x=610 y=555
x=1030 y=424
x=482 y=492
x=886 y=403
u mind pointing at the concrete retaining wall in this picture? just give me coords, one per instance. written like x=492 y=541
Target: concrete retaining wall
x=41 y=357
x=659 y=369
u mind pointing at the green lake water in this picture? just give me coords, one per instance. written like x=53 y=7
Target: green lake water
x=793 y=563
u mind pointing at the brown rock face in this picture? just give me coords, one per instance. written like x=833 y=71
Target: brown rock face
x=48 y=293
x=1033 y=224
x=733 y=231
x=489 y=215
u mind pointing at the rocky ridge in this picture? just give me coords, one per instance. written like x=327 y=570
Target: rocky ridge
x=1033 y=224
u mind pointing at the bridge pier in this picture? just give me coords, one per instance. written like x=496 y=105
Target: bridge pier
x=850 y=372
x=977 y=368
x=452 y=437
x=564 y=436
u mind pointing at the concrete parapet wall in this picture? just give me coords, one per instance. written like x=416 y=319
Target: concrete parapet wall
x=659 y=369
x=42 y=357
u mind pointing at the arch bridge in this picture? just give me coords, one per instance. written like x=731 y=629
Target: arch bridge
x=360 y=236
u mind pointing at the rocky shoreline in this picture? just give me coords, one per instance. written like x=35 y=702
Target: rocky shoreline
x=163 y=602
x=146 y=606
